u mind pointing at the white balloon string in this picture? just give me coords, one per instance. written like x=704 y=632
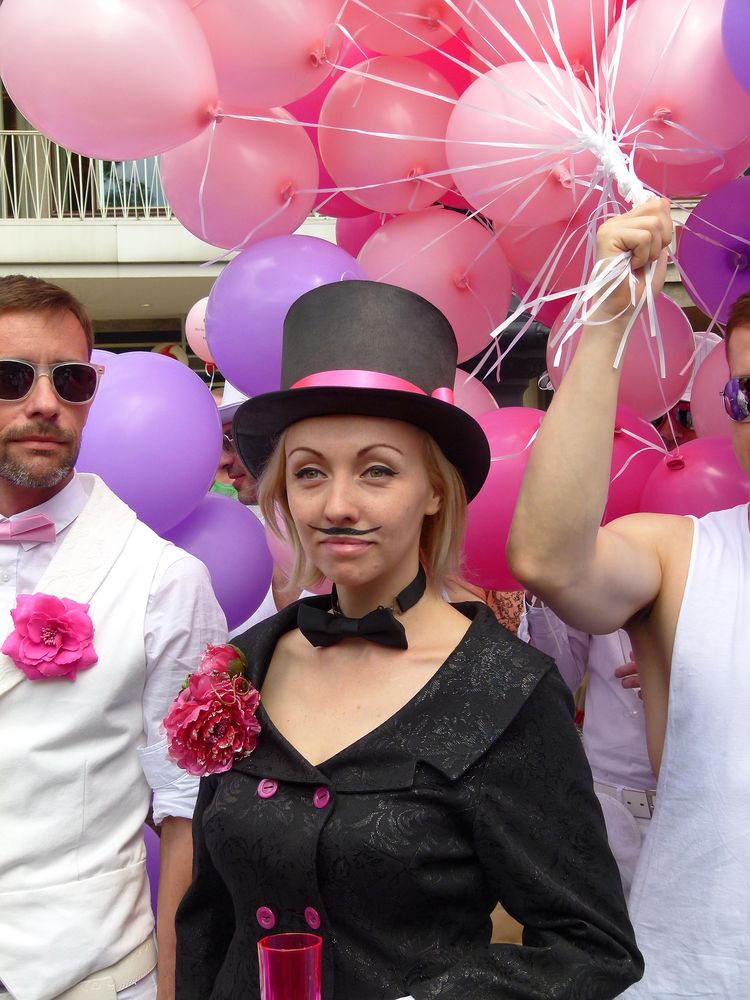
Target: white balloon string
x=543 y=148
x=256 y=229
x=515 y=454
x=525 y=99
x=649 y=446
x=704 y=146
x=648 y=77
x=494 y=238
x=617 y=165
x=202 y=189
x=460 y=220
x=419 y=38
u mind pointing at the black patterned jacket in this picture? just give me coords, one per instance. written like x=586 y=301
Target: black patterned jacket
x=397 y=849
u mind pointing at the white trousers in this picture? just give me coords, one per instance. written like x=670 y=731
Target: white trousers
x=144 y=989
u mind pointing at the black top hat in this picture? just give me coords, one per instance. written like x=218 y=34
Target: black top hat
x=368 y=349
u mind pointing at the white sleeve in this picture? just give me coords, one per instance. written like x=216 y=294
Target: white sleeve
x=182 y=616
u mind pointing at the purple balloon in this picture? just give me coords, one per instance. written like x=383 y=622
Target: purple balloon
x=106 y=358
x=251 y=297
x=153 y=850
x=714 y=248
x=154 y=436
x=735 y=33
x=231 y=541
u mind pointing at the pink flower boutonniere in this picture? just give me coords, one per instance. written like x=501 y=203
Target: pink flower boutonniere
x=53 y=637
x=212 y=723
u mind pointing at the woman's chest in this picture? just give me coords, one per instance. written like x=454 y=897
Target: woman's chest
x=325 y=709
x=276 y=842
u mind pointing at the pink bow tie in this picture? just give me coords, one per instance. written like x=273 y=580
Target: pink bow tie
x=30 y=528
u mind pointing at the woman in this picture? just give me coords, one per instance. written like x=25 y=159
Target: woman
x=415 y=765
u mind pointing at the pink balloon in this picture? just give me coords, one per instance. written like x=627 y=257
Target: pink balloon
x=689 y=103
x=510 y=431
x=706 y=405
x=117 y=81
x=689 y=180
x=562 y=251
x=472 y=395
x=254 y=168
x=334 y=203
x=269 y=52
x=195 y=330
x=451 y=60
x=453 y=262
x=306 y=110
x=403 y=28
x=641 y=386
x=352 y=234
x=637 y=450
x=577 y=21
x=699 y=477
x=385 y=172
x=494 y=138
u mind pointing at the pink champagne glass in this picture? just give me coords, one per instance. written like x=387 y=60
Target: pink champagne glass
x=290 y=966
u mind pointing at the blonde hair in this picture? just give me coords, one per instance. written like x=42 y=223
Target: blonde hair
x=442 y=532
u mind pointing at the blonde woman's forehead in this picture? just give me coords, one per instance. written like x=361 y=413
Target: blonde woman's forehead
x=353 y=434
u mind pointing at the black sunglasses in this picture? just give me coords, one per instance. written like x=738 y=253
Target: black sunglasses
x=73 y=381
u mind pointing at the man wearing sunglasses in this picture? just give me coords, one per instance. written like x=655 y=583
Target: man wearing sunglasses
x=102 y=619
x=241 y=478
x=681 y=588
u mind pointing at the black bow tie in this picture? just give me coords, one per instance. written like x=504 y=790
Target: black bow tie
x=322 y=624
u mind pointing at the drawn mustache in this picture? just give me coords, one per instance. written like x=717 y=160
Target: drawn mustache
x=346 y=531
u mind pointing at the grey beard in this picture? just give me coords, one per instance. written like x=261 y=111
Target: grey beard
x=15 y=473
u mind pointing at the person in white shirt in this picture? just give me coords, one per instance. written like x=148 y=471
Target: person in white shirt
x=102 y=620
x=681 y=587
x=614 y=727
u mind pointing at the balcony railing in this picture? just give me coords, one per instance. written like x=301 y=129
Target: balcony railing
x=41 y=180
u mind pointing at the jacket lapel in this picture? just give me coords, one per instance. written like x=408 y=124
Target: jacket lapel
x=95 y=540
x=450 y=724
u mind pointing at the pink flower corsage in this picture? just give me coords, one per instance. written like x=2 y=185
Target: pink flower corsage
x=53 y=637
x=212 y=723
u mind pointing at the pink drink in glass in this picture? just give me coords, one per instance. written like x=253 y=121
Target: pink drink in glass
x=290 y=966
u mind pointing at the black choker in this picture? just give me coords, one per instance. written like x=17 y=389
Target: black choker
x=325 y=628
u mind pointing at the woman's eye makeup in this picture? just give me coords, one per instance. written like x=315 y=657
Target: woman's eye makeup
x=380 y=472
x=308 y=472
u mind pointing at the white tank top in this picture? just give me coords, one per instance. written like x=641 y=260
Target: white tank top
x=690 y=902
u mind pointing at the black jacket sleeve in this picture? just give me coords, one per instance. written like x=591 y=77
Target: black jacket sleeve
x=540 y=837
x=205 y=918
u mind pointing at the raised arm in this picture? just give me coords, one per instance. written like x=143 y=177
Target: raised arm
x=596 y=578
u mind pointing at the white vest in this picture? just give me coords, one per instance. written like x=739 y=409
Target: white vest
x=74 y=895
x=690 y=902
